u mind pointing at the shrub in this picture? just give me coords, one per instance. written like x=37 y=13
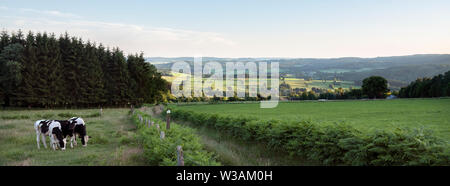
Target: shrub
x=163 y=152
x=337 y=144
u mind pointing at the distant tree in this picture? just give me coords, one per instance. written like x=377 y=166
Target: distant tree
x=375 y=87
x=438 y=86
x=311 y=95
x=355 y=93
x=304 y=96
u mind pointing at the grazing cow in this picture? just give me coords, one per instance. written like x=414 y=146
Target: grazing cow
x=67 y=128
x=53 y=130
x=80 y=130
x=41 y=127
x=56 y=135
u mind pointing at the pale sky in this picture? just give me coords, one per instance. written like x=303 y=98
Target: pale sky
x=244 y=28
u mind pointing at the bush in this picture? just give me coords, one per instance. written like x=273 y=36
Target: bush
x=337 y=144
x=163 y=152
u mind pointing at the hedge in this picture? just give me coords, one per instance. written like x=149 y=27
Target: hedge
x=162 y=152
x=337 y=144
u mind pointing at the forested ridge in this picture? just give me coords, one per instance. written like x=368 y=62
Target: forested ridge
x=438 y=86
x=43 y=70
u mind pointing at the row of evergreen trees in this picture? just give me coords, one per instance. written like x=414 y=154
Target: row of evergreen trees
x=438 y=86
x=41 y=70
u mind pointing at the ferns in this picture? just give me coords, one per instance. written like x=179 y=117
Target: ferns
x=162 y=152
x=337 y=144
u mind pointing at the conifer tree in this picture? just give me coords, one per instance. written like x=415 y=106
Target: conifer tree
x=45 y=71
x=27 y=95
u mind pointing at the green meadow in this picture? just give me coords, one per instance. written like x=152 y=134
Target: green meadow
x=113 y=139
x=369 y=115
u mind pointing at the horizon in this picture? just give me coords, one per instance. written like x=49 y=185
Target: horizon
x=299 y=57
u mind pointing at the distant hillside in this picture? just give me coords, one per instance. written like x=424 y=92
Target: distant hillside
x=399 y=70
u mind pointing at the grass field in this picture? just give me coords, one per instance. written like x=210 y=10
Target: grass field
x=112 y=142
x=113 y=139
x=365 y=115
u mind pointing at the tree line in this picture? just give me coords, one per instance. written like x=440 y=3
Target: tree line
x=41 y=70
x=438 y=86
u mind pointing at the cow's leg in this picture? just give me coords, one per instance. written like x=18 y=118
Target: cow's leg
x=43 y=140
x=52 y=141
x=75 y=139
x=37 y=139
x=83 y=141
x=71 y=141
x=65 y=141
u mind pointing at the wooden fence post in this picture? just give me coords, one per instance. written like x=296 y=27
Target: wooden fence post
x=180 y=159
x=168 y=120
x=101 y=111
x=162 y=135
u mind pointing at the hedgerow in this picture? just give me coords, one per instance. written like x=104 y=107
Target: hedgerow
x=337 y=144
x=163 y=152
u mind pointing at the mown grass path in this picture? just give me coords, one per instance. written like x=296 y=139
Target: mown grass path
x=112 y=143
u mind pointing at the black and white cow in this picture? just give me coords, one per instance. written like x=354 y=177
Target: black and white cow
x=53 y=130
x=80 y=130
x=41 y=127
x=67 y=128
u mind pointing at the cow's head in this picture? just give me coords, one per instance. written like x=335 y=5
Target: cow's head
x=84 y=140
x=58 y=135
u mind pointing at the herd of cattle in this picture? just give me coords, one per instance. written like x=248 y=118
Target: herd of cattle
x=58 y=130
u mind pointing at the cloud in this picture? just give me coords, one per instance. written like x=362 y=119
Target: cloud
x=49 y=13
x=153 y=41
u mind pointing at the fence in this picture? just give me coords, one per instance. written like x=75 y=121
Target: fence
x=174 y=145
x=147 y=122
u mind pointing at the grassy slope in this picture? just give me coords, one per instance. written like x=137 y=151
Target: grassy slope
x=366 y=115
x=112 y=142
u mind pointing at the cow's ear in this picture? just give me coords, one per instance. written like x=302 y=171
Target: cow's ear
x=89 y=137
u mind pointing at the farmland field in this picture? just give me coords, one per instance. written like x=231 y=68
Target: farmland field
x=431 y=114
x=302 y=83
x=293 y=82
x=112 y=142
